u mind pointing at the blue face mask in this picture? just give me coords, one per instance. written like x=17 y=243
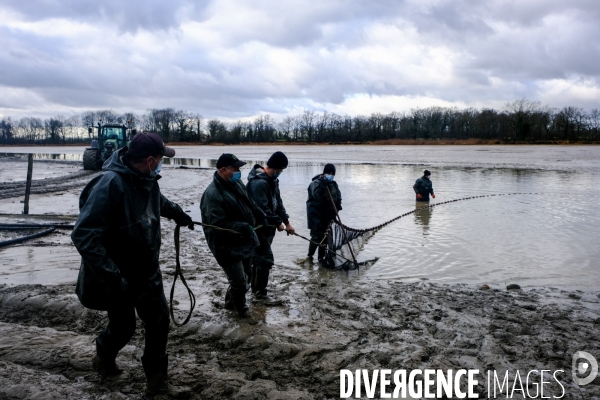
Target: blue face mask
x=236 y=177
x=276 y=175
x=157 y=170
x=329 y=177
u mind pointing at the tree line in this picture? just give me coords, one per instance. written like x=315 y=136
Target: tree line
x=520 y=121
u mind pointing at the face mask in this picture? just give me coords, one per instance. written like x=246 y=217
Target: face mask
x=235 y=177
x=329 y=177
x=157 y=170
x=276 y=175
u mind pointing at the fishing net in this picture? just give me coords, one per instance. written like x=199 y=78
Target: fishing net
x=344 y=243
x=344 y=246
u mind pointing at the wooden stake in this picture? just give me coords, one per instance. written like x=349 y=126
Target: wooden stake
x=28 y=186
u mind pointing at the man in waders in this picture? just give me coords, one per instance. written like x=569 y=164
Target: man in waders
x=225 y=204
x=263 y=188
x=118 y=236
x=423 y=187
x=320 y=209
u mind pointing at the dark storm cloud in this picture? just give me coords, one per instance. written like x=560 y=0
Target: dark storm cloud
x=235 y=58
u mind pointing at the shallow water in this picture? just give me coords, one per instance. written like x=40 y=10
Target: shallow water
x=549 y=239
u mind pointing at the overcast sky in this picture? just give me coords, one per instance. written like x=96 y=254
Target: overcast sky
x=239 y=58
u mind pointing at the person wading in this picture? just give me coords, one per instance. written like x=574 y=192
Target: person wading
x=226 y=204
x=263 y=188
x=118 y=236
x=319 y=208
x=423 y=187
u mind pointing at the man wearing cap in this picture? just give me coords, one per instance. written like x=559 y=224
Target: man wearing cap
x=118 y=236
x=320 y=209
x=423 y=187
x=263 y=188
x=225 y=204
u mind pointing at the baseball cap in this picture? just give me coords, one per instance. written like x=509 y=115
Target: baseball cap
x=146 y=144
x=228 y=159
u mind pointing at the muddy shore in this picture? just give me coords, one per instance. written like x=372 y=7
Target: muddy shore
x=328 y=321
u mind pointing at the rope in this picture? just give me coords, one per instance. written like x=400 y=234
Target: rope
x=178 y=273
x=424 y=207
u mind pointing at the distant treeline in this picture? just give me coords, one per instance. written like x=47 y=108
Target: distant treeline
x=520 y=121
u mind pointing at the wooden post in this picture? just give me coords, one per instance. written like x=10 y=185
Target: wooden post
x=28 y=186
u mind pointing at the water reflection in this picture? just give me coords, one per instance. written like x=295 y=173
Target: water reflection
x=45 y=156
x=423 y=215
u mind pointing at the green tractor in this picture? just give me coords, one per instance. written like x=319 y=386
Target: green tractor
x=111 y=137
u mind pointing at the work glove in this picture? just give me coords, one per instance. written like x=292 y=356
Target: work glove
x=248 y=230
x=264 y=223
x=433 y=195
x=419 y=196
x=184 y=219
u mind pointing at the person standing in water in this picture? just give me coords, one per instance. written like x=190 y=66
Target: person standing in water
x=320 y=209
x=423 y=187
x=263 y=188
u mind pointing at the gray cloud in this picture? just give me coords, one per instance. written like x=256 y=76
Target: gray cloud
x=239 y=58
x=126 y=15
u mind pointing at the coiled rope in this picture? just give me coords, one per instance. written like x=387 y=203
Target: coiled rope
x=179 y=274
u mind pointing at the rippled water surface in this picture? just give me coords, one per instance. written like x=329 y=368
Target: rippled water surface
x=549 y=238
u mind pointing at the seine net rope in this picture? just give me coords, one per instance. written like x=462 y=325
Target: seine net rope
x=358 y=238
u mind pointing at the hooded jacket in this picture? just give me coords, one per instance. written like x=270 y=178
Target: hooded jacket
x=424 y=187
x=117 y=234
x=227 y=205
x=264 y=190
x=319 y=210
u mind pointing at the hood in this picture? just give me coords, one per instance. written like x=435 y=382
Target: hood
x=258 y=172
x=115 y=164
x=317 y=177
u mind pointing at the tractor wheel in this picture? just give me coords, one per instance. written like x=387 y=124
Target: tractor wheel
x=92 y=159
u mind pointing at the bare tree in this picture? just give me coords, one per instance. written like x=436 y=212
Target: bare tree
x=197 y=121
x=307 y=126
x=520 y=113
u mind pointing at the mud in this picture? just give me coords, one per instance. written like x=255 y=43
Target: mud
x=329 y=321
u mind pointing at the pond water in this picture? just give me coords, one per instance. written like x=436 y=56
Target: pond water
x=549 y=238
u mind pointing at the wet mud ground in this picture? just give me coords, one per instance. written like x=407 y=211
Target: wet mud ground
x=328 y=321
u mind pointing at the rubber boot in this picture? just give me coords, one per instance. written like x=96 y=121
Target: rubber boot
x=260 y=280
x=238 y=297
x=312 y=247
x=321 y=253
x=156 y=375
x=229 y=300
x=104 y=363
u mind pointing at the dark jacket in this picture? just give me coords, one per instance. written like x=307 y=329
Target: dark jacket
x=264 y=190
x=227 y=205
x=118 y=234
x=319 y=210
x=424 y=187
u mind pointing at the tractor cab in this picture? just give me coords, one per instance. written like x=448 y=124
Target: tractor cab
x=111 y=137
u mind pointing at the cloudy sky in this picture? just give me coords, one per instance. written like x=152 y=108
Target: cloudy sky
x=239 y=58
